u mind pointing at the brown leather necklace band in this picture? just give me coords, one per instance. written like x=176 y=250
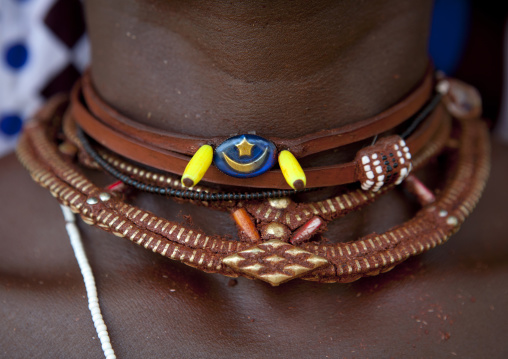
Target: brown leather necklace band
x=164 y=160
x=169 y=161
x=299 y=147
x=168 y=185
x=324 y=176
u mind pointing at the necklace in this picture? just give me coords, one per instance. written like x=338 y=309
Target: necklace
x=274 y=234
x=244 y=164
x=89 y=280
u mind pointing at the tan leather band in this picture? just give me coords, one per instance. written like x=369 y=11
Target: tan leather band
x=165 y=160
x=299 y=147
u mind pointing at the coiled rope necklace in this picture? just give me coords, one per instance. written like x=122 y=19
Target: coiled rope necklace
x=277 y=235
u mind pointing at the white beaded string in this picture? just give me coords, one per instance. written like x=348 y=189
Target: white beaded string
x=88 y=278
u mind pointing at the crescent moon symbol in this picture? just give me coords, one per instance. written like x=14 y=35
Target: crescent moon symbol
x=246 y=167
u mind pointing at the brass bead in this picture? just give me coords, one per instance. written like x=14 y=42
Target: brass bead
x=105 y=196
x=275 y=229
x=92 y=200
x=452 y=221
x=279 y=203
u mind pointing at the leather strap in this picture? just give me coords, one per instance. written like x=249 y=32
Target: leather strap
x=154 y=156
x=300 y=147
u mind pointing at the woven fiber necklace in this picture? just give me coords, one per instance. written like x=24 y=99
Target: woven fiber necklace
x=278 y=238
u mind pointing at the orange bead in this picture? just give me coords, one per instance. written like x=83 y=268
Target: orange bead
x=246 y=225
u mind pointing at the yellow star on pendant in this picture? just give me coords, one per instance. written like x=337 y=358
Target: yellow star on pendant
x=244 y=147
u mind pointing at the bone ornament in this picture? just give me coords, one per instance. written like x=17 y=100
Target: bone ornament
x=388 y=161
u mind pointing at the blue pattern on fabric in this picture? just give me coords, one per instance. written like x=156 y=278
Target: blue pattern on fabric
x=11 y=124
x=43 y=49
x=16 y=55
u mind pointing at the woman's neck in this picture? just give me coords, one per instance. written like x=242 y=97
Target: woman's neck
x=284 y=68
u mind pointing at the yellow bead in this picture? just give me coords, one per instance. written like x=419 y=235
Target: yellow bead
x=292 y=170
x=197 y=166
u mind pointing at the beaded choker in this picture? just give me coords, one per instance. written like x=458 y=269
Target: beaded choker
x=278 y=238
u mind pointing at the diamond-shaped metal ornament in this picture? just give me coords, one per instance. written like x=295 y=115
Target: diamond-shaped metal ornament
x=274 y=262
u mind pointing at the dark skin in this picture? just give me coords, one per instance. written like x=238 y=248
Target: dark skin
x=288 y=67
x=450 y=301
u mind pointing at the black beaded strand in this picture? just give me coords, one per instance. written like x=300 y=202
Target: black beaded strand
x=171 y=192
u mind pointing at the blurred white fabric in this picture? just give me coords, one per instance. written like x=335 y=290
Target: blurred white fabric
x=36 y=58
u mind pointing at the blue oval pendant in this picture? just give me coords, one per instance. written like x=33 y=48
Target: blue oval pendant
x=245 y=156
